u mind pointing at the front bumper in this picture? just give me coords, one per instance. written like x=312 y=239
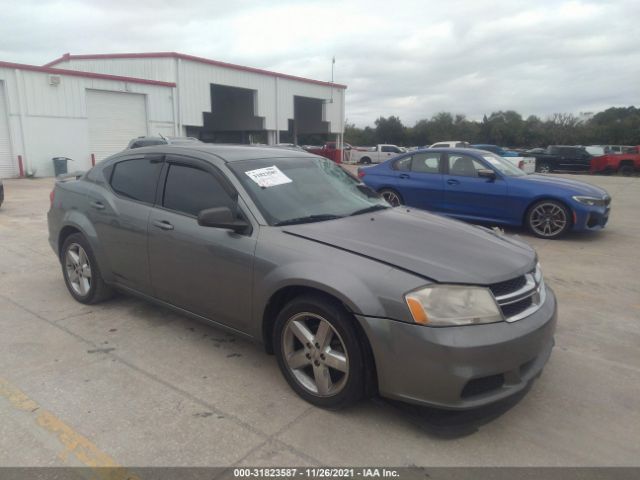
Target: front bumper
x=591 y=218
x=460 y=367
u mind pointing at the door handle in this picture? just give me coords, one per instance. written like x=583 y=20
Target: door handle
x=97 y=205
x=163 y=224
x=404 y=175
x=453 y=181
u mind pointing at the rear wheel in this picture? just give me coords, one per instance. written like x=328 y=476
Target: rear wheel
x=391 y=196
x=548 y=219
x=365 y=161
x=626 y=170
x=81 y=273
x=319 y=352
x=543 y=168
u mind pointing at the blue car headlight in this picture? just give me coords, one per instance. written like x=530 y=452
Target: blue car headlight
x=589 y=201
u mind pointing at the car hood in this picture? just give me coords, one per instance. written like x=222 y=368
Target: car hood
x=431 y=246
x=568 y=185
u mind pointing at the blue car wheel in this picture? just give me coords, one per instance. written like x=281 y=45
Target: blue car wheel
x=391 y=196
x=548 y=219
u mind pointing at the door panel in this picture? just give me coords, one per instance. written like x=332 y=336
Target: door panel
x=422 y=186
x=469 y=196
x=121 y=219
x=205 y=270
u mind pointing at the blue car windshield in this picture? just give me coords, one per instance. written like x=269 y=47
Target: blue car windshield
x=503 y=166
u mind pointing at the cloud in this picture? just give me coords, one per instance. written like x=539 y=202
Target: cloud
x=406 y=58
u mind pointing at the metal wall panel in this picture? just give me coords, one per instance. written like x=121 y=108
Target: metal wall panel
x=274 y=100
x=162 y=69
x=7 y=164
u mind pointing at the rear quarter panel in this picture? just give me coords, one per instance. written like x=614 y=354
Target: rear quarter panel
x=70 y=199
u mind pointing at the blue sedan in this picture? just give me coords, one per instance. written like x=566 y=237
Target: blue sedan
x=481 y=187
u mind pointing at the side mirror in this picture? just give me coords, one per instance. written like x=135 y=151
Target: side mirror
x=221 y=217
x=487 y=173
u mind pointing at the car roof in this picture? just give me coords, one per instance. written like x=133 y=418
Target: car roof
x=227 y=153
x=474 y=151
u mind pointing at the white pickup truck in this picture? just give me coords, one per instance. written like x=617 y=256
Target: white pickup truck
x=377 y=154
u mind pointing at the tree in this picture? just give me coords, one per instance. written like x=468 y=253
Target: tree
x=616 y=125
x=390 y=130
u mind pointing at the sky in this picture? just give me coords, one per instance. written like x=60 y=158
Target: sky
x=411 y=59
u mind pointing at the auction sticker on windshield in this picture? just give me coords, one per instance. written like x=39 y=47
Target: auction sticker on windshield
x=268 y=176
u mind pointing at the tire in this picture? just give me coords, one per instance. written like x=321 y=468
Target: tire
x=391 y=196
x=333 y=375
x=548 y=219
x=365 y=161
x=544 y=168
x=625 y=170
x=81 y=272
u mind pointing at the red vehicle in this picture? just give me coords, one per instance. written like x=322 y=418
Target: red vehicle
x=330 y=151
x=623 y=163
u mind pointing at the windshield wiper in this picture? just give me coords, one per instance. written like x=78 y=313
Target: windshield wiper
x=372 y=208
x=308 y=219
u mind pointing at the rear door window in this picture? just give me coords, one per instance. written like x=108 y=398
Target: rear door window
x=190 y=190
x=136 y=179
x=428 y=162
x=403 y=165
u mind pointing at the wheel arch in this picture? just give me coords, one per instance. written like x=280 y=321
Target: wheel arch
x=548 y=197
x=284 y=295
x=76 y=222
x=65 y=232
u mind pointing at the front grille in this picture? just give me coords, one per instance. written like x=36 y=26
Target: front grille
x=508 y=286
x=514 y=309
x=520 y=296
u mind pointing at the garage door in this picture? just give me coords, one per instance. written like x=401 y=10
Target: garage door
x=7 y=165
x=114 y=119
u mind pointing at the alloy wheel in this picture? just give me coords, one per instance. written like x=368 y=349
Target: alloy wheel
x=391 y=197
x=78 y=269
x=315 y=354
x=548 y=219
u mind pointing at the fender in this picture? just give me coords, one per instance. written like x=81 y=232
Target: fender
x=320 y=276
x=78 y=220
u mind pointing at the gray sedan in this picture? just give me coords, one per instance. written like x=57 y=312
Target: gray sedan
x=352 y=296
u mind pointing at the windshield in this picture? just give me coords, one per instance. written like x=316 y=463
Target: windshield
x=302 y=190
x=505 y=167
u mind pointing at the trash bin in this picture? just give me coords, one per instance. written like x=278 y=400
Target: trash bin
x=60 y=165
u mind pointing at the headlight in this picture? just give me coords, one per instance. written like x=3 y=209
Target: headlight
x=591 y=201
x=449 y=305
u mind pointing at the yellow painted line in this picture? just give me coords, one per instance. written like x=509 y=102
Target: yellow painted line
x=74 y=444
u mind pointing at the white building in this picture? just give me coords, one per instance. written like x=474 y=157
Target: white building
x=87 y=107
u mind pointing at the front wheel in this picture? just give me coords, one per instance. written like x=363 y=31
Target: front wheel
x=391 y=196
x=548 y=219
x=319 y=353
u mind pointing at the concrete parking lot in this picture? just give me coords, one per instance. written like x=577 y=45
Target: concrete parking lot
x=129 y=383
